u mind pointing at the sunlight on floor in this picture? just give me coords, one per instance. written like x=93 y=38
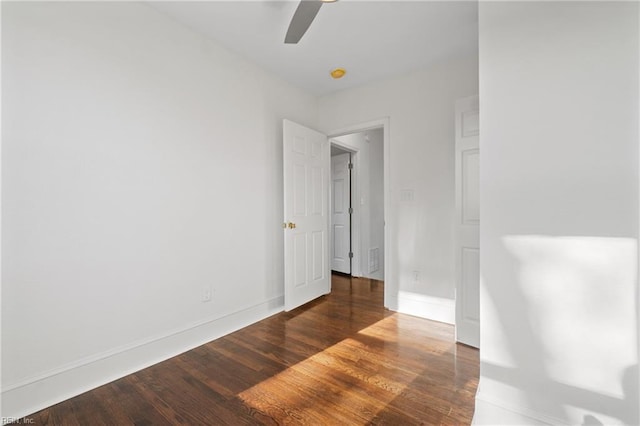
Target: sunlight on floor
x=327 y=384
x=440 y=341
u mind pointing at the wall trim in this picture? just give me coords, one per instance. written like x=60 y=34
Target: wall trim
x=487 y=403
x=44 y=390
x=428 y=307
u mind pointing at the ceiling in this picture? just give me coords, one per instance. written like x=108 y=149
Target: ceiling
x=372 y=39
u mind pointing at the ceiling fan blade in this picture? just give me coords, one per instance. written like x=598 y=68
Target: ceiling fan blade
x=302 y=19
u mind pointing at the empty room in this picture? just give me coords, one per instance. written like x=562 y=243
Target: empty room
x=320 y=212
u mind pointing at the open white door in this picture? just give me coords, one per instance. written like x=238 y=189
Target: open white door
x=340 y=214
x=306 y=214
x=468 y=221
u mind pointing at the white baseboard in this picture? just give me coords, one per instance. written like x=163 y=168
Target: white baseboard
x=36 y=393
x=419 y=305
x=490 y=411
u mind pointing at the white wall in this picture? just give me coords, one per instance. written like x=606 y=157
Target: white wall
x=420 y=107
x=559 y=229
x=141 y=163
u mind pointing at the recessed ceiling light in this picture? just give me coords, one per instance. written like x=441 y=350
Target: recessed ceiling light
x=328 y=1
x=338 y=73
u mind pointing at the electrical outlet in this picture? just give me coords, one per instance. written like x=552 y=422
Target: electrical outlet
x=416 y=276
x=206 y=293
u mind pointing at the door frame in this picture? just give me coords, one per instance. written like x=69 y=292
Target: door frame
x=382 y=123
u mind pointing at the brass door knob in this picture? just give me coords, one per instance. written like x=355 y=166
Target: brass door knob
x=292 y=225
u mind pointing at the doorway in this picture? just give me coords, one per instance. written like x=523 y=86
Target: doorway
x=307 y=215
x=357 y=218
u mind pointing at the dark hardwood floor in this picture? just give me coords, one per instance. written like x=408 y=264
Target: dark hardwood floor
x=340 y=360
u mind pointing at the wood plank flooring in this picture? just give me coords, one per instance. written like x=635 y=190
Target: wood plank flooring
x=340 y=360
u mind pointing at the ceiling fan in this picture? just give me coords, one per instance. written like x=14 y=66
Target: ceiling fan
x=302 y=19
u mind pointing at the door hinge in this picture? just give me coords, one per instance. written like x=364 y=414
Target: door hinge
x=350 y=166
x=350 y=210
x=350 y=255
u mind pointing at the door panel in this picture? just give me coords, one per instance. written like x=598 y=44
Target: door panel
x=306 y=199
x=470 y=263
x=470 y=187
x=340 y=220
x=300 y=259
x=299 y=190
x=318 y=256
x=467 y=222
x=318 y=187
x=339 y=250
x=338 y=195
